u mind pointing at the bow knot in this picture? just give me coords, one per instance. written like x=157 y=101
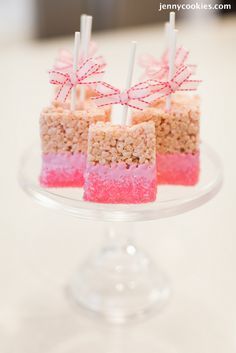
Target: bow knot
x=174 y=86
x=124 y=98
x=73 y=78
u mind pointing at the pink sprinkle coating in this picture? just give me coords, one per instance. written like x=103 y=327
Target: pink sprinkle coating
x=178 y=168
x=119 y=184
x=63 y=169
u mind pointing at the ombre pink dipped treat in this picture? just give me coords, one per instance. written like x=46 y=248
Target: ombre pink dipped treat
x=121 y=165
x=177 y=138
x=64 y=136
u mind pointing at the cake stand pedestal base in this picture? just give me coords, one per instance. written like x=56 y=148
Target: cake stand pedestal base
x=120 y=282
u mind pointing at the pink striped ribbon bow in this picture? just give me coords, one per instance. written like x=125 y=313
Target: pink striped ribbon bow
x=179 y=82
x=64 y=61
x=142 y=94
x=89 y=72
x=158 y=69
x=138 y=96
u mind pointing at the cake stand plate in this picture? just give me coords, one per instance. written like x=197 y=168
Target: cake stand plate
x=120 y=282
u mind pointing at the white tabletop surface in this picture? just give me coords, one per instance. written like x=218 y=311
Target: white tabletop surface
x=40 y=249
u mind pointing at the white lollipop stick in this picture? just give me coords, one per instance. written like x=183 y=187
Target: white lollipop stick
x=82 y=32
x=171 y=53
x=87 y=29
x=129 y=79
x=75 y=64
x=167 y=31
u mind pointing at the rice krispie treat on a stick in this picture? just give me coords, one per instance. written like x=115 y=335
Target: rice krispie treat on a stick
x=121 y=165
x=64 y=136
x=64 y=125
x=177 y=139
x=177 y=118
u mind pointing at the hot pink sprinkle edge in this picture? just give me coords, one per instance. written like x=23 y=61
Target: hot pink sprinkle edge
x=63 y=169
x=178 y=168
x=116 y=184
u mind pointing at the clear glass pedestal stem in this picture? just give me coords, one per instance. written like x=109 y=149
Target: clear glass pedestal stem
x=119 y=282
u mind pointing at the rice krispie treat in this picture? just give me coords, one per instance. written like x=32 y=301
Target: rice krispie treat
x=64 y=136
x=177 y=138
x=121 y=164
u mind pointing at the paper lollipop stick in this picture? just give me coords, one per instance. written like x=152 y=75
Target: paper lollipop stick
x=167 y=32
x=171 y=52
x=83 y=24
x=75 y=64
x=129 y=79
x=86 y=24
x=88 y=31
x=83 y=19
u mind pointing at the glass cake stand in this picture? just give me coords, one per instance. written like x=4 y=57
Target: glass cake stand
x=120 y=282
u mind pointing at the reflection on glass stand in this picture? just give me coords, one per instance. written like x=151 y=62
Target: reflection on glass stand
x=120 y=282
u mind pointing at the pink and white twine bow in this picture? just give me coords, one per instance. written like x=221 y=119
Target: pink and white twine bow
x=158 y=69
x=89 y=73
x=179 y=82
x=138 y=96
x=64 y=61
